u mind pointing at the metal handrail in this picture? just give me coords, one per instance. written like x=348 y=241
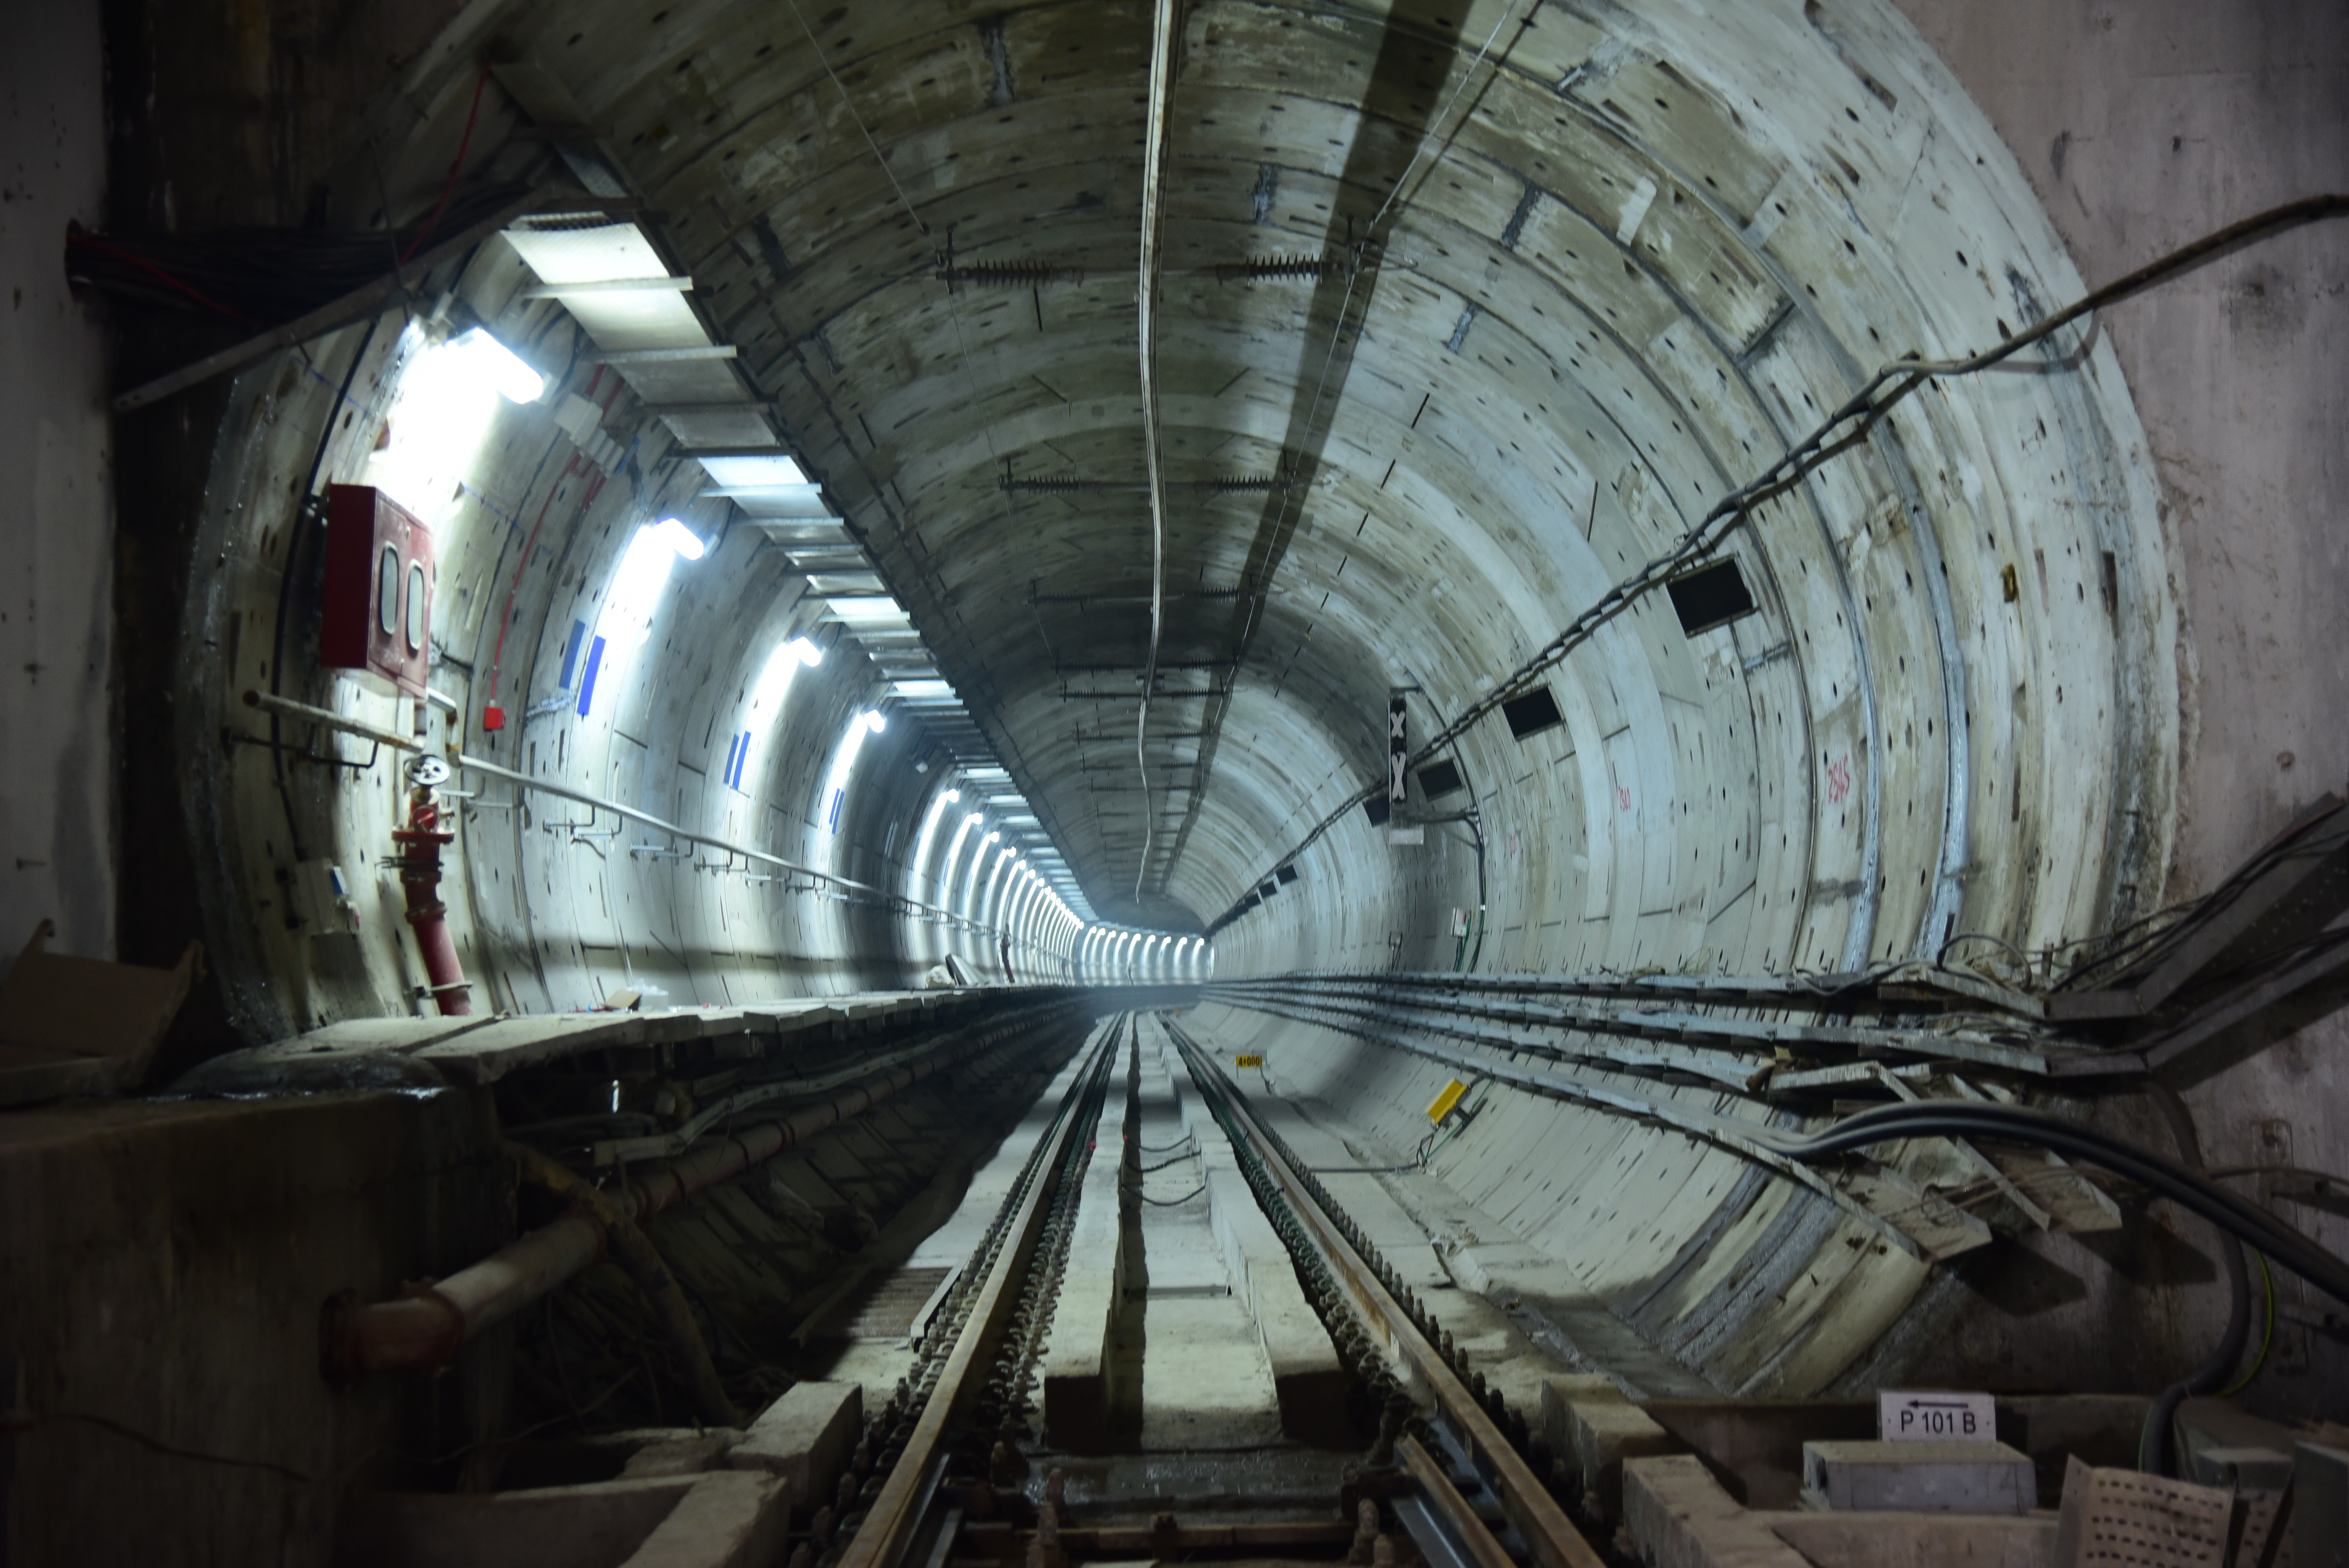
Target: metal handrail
x=288 y=707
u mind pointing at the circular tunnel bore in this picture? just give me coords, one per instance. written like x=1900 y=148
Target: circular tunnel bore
x=794 y=630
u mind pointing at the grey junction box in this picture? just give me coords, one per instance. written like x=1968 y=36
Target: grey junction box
x=1919 y=1478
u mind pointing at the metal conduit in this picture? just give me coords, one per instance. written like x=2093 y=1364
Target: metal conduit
x=375 y=734
x=429 y=1323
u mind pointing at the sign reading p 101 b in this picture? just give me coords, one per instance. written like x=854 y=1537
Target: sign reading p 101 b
x=1935 y=1418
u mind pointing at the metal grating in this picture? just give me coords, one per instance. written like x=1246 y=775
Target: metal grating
x=881 y=1307
x=2125 y=1519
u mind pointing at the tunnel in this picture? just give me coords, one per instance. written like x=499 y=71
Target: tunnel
x=1219 y=781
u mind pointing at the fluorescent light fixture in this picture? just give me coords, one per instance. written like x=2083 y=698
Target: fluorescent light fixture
x=806 y=652
x=871 y=718
x=498 y=365
x=867 y=612
x=626 y=616
x=745 y=472
x=679 y=537
x=951 y=795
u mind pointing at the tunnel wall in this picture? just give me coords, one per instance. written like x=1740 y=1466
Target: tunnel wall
x=1889 y=754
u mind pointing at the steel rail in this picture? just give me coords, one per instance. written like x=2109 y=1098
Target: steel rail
x=1452 y=1510
x=430 y=1322
x=890 y=1525
x=1555 y=1542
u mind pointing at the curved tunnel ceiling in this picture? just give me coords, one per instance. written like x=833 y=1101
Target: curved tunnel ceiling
x=1464 y=318
x=1566 y=293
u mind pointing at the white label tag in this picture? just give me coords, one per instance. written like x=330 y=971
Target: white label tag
x=1907 y=1418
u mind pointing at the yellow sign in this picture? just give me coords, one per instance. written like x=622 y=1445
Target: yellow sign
x=1248 y=1061
x=1440 y=1107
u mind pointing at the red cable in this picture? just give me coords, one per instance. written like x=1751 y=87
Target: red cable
x=145 y=266
x=449 y=185
x=497 y=658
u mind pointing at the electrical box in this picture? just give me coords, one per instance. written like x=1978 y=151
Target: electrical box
x=376 y=610
x=1443 y=1103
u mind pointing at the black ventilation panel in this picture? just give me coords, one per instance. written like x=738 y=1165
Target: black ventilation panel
x=1711 y=597
x=1438 y=779
x=1285 y=875
x=1268 y=888
x=1376 y=809
x=1532 y=713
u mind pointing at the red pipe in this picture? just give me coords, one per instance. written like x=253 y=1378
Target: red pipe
x=419 y=877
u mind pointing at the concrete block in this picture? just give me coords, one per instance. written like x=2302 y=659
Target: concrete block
x=804 y=1438
x=591 y=1526
x=1918 y=1540
x=689 y=1454
x=1920 y=1478
x=1077 y=1363
x=1679 y=1517
x=1307 y=1377
x=1756 y=1445
x=731 y=1519
x=1592 y=1430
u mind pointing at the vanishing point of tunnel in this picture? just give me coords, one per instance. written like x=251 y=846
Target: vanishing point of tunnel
x=936 y=783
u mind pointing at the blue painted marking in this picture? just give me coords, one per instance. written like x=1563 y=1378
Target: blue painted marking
x=571 y=652
x=587 y=681
x=733 y=748
x=742 y=761
x=832 y=818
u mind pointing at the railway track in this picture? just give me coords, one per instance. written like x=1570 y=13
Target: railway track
x=955 y=1471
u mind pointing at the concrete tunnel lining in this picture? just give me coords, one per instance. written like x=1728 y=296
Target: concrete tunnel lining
x=1654 y=249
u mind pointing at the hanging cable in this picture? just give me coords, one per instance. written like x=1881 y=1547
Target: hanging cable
x=455 y=166
x=2190 y=1190
x=2266 y=1334
x=1166 y=24
x=1840 y=431
x=2153 y=1440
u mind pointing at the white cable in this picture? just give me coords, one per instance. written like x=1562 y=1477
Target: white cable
x=1167 y=22
x=1256 y=602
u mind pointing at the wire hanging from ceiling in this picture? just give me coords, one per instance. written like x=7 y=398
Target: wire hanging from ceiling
x=1365 y=253
x=1861 y=412
x=1166 y=22
x=943 y=260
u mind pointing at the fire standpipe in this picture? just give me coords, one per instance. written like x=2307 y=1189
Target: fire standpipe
x=419 y=877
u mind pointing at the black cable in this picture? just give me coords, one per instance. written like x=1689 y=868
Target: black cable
x=170 y=1449
x=2152 y=1447
x=2304 y=844
x=1862 y=411
x=2189 y=1189
x=1170 y=1202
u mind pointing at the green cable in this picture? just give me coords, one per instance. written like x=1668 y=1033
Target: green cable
x=2267 y=1336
